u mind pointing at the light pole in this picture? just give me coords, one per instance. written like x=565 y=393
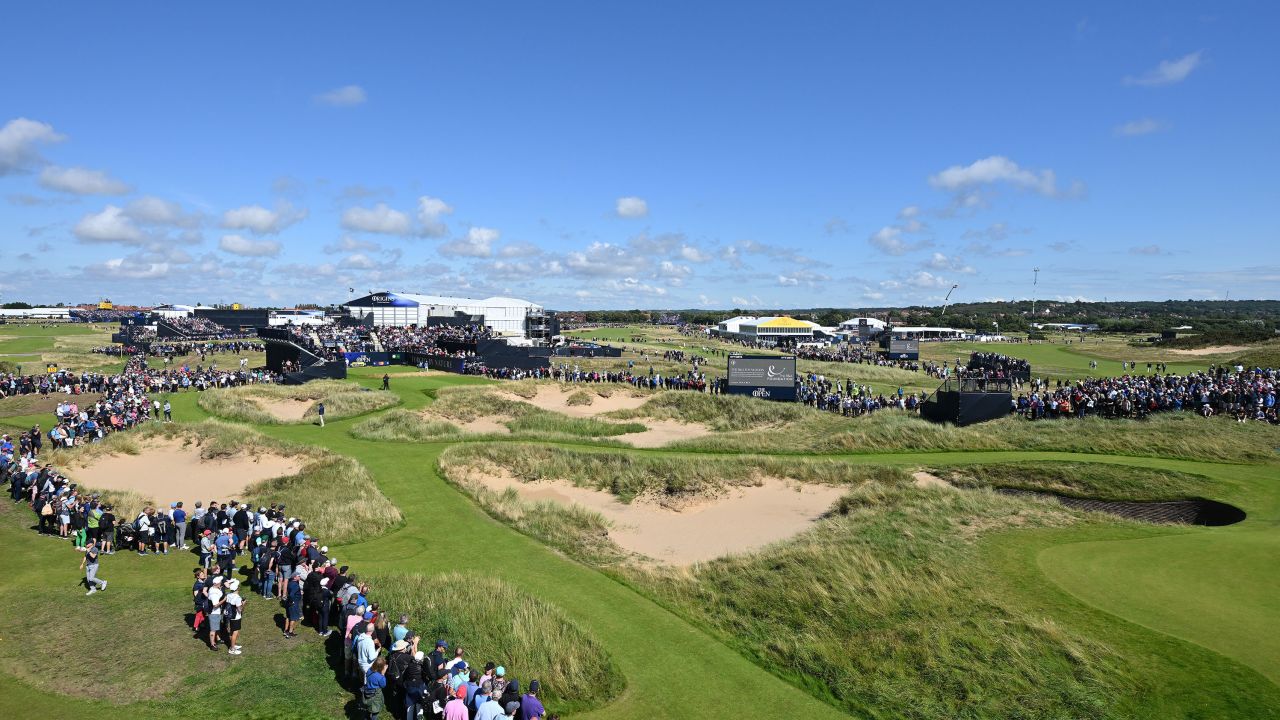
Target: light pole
x=1035 y=280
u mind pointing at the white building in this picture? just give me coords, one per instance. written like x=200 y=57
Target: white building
x=38 y=313
x=767 y=329
x=508 y=317
x=929 y=333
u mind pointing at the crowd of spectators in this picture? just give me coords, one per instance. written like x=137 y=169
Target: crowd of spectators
x=851 y=399
x=999 y=366
x=1240 y=393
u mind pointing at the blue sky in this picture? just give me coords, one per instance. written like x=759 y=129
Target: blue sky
x=608 y=155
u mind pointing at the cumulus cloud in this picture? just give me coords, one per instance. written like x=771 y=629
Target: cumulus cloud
x=996 y=169
x=889 y=240
x=429 y=211
x=151 y=210
x=954 y=263
x=520 y=249
x=478 y=243
x=604 y=259
x=345 y=96
x=1168 y=72
x=633 y=286
x=110 y=225
x=631 y=207
x=693 y=254
x=130 y=269
x=378 y=219
x=82 y=181
x=359 y=261
x=247 y=247
x=18 y=140
x=926 y=280
x=746 y=302
x=261 y=221
x=1145 y=126
x=346 y=243
x=785 y=281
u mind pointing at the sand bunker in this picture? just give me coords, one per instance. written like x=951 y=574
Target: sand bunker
x=929 y=480
x=746 y=519
x=489 y=424
x=556 y=400
x=286 y=410
x=662 y=432
x=1215 y=350
x=171 y=471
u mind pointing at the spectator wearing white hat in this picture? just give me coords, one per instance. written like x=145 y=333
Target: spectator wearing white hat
x=233 y=613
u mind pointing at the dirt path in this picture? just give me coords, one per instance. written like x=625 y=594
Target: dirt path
x=170 y=471
x=745 y=519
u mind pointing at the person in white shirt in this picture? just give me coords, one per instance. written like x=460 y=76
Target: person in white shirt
x=232 y=614
x=215 y=596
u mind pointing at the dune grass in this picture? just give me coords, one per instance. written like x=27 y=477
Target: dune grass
x=629 y=475
x=495 y=621
x=1171 y=435
x=881 y=610
x=1085 y=480
x=341 y=400
x=719 y=412
x=467 y=404
x=334 y=494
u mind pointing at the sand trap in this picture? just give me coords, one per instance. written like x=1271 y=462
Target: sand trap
x=171 y=471
x=746 y=519
x=286 y=410
x=1215 y=350
x=489 y=424
x=662 y=432
x=929 y=480
x=556 y=400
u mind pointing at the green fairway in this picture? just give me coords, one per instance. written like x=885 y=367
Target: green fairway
x=1176 y=620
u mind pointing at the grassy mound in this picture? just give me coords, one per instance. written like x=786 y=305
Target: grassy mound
x=466 y=404
x=333 y=493
x=1086 y=480
x=883 y=610
x=341 y=400
x=1172 y=435
x=719 y=412
x=496 y=621
x=628 y=475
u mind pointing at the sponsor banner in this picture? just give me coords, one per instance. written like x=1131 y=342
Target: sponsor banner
x=367 y=359
x=769 y=377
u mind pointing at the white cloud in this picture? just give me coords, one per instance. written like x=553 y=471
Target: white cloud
x=133 y=270
x=346 y=243
x=378 y=219
x=520 y=249
x=345 y=96
x=359 y=261
x=996 y=169
x=1145 y=126
x=1168 y=72
x=632 y=285
x=693 y=254
x=604 y=259
x=110 y=225
x=429 y=211
x=478 y=242
x=247 y=247
x=889 y=240
x=926 y=280
x=18 y=140
x=260 y=220
x=909 y=212
x=631 y=207
x=82 y=181
x=745 y=302
x=785 y=281
x=953 y=263
x=151 y=210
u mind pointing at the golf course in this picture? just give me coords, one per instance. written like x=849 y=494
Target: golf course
x=557 y=529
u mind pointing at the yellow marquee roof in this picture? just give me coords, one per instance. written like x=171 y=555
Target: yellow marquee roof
x=781 y=322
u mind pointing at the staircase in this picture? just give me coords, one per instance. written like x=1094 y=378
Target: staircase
x=281 y=347
x=377 y=343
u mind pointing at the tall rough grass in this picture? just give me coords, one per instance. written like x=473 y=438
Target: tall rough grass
x=466 y=404
x=497 y=622
x=341 y=400
x=719 y=412
x=883 y=608
x=1087 y=480
x=1171 y=435
x=629 y=475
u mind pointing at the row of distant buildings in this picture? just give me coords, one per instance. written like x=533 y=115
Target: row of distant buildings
x=782 y=329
